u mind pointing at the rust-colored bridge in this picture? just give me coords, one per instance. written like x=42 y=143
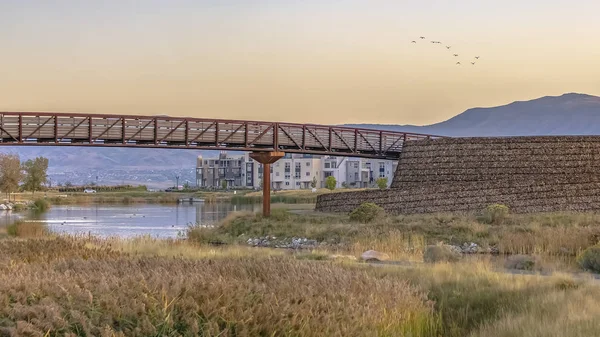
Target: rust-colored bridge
x=43 y=128
x=267 y=140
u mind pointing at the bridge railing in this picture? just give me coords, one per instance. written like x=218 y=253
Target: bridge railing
x=26 y=128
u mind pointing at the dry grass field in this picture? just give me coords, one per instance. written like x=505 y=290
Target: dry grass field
x=84 y=286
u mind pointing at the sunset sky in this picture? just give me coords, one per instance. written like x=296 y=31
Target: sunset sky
x=328 y=62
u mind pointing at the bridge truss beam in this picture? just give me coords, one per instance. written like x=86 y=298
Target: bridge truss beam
x=45 y=128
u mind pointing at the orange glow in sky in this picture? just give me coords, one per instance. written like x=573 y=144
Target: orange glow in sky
x=327 y=62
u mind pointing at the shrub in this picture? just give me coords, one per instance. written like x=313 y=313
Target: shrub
x=366 y=213
x=330 y=183
x=27 y=229
x=522 y=262
x=382 y=183
x=496 y=214
x=440 y=253
x=19 y=207
x=590 y=259
x=41 y=205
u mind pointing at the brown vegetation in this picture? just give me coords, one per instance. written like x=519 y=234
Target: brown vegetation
x=62 y=286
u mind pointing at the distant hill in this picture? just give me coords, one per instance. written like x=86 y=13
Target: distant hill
x=568 y=114
x=102 y=157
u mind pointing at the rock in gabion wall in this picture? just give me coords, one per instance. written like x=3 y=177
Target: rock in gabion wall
x=528 y=174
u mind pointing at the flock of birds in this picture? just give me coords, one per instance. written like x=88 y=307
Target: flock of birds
x=448 y=48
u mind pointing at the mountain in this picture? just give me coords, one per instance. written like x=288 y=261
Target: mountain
x=568 y=114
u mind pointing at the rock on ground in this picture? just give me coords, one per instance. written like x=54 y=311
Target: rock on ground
x=372 y=255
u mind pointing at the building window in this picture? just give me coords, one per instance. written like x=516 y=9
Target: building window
x=308 y=174
x=287 y=167
x=287 y=183
x=327 y=174
x=327 y=165
x=287 y=176
x=297 y=170
x=260 y=169
x=307 y=163
x=276 y=174
x=356 y=176
x=297 y=183
x=333 y=165
x=356 y=165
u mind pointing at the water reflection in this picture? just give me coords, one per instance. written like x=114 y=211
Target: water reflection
x=163 y=221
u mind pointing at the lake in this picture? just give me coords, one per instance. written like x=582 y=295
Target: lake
x=160 y=221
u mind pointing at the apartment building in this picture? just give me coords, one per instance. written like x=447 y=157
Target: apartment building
x=334 y=167
x=357 y=175
x=294 y=171
x=225 y=171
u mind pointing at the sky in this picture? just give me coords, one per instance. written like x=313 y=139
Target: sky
x=327 y=62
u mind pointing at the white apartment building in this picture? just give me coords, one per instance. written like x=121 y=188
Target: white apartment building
x=336 y=167
x=294 y=171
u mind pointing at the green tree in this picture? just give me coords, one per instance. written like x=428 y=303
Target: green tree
x=10 y=173
x=330 y=183
x=224 y=184
x=313 y=183
x=382 y=182
x=35 y=174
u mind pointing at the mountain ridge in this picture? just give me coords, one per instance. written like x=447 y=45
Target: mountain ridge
x=567 y=114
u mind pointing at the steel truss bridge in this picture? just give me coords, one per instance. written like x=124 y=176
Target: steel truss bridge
x=66 y=129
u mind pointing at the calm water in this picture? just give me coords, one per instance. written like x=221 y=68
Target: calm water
x=163 y=221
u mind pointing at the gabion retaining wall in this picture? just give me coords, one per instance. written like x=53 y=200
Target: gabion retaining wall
x=528 y=174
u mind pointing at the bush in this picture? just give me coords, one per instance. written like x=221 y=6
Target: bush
x=330 y=183
x=382 y=183
x=440 y=253
x=41 y=205
x=522 y=262
x=366 y=213
x=496 y=214
x=19 y=207
x=27 y=229
x=590 y=259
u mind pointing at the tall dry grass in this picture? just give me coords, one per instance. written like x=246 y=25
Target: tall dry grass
x=25 y=229
x=472 y=299
x=405 y=236
x=62 y=287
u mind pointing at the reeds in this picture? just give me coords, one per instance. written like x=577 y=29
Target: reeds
x=62 y=287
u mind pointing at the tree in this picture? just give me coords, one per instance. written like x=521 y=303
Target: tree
x=35 y=174
x=224 y=184
x=10 y=173
x=330 y=183
x=313 y=183
x=382 y=183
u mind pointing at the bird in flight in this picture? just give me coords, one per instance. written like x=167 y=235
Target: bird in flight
x=422 y=37
x=414 y=41
x=477 y=57
x=473 y=63
x=455 y=55
x=458 y=63
x=448 y=47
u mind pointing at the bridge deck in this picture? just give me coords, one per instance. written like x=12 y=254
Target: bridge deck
x=43 y=128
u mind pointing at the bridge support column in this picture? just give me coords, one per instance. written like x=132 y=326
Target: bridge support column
x=266 y=159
